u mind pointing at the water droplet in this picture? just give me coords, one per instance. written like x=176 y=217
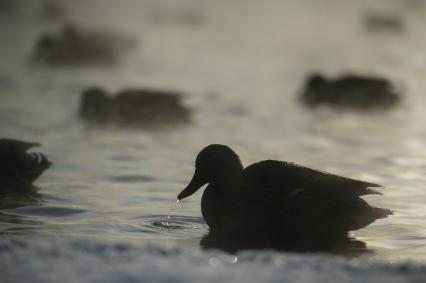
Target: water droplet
x=170 y=214
x=178 y=201
x=235 y=260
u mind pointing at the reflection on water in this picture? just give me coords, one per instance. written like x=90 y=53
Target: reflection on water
x=347 y=246
x=242 y=75
x=21 y=200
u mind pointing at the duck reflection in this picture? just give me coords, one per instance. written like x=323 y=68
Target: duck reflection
x=19 y=200
x=344 y=245
x=10 y=223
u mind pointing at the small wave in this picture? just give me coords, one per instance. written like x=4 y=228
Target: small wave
x=132 y=179
x=43 y=211
x=177 y=224
x=167 y=225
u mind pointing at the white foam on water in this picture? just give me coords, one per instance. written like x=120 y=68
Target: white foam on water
x=65 y=261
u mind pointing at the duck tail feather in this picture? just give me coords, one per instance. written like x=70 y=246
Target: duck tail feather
x=382 y=212
x=40 y=164
x=369 y=191
x=372 y=185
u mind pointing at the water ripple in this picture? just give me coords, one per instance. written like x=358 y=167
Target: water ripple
x=132 y=179
x=44 y=211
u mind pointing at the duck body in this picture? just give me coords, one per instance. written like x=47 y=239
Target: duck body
x=350 y=92
x=276 y=204
x=19 y=169
x=133 y=108
x=384 y=23
x=72 y=46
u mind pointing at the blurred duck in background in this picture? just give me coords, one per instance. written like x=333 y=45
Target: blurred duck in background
x=18 y=168
x=349 y=92
x=74 y=46
x=134 y=108
x=383 y=23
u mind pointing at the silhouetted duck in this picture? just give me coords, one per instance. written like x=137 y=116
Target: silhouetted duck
x=19 y=169
x=134 y=108
x=380 y=22
x=277 y=204
x=7 y=6
x=355 y=92
x=73 y=46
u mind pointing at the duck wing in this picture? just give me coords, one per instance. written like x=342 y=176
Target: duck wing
x=309 y=199
x=287 y=178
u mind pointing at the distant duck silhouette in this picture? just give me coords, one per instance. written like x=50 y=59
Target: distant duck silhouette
x=356 y=92
x=278 y=205
x=73 y=46
x=381 y=22
x=134 y=108
x=19 y=169
x=7 y=6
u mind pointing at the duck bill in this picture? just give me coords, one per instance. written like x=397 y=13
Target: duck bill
x=193 y=186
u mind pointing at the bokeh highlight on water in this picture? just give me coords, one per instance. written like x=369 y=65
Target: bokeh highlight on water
x=241 y=65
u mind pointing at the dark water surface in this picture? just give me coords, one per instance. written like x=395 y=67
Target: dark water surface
x=241 y=63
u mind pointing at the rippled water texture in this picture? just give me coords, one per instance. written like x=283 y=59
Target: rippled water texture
x=241 y=64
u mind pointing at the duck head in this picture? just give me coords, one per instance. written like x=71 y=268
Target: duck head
x=216 y=163
x=316 y=89
x=95 y=104
x=317 y=82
